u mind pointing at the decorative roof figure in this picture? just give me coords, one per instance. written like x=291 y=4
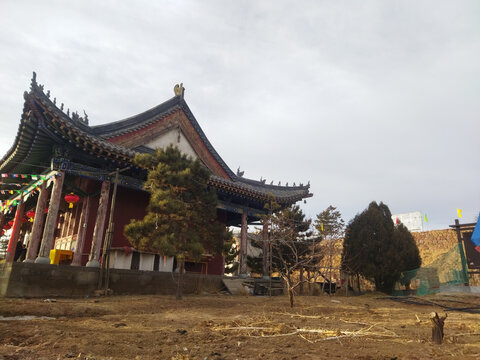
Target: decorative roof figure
x=240 y=173
x=179 y=90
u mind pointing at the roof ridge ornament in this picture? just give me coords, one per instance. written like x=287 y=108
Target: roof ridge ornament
x=240 y=173
x=33 y=82
x=179 y=90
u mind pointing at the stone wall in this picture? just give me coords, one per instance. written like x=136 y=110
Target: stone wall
x=40 y=280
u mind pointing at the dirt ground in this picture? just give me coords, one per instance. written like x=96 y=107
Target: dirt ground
x=238 y=327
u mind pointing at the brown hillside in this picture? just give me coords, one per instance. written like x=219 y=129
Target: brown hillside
x=434 y=243
x=431 y=244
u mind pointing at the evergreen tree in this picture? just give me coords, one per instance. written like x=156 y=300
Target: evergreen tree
x=376 y=249
x=181 y=216
x=329 y=223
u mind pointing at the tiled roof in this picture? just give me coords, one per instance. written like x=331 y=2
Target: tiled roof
x=43 y=124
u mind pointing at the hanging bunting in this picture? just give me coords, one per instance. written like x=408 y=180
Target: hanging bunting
x=459 y=212
x=426 y=220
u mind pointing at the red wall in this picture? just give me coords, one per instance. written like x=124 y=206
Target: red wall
x=132 y=204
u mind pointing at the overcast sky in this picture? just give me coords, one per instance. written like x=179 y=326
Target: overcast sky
x=367 y=100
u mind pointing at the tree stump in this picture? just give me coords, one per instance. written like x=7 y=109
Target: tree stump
x=437 y=327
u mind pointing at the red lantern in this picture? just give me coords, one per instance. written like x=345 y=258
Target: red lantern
x=3 y=232
x=71 y=199
x=10 y=223
x=6 y=227
x=31 y=215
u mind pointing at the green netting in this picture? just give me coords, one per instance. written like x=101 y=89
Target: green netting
x=448 y=270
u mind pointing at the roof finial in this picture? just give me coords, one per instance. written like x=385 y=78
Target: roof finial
x=179 y=90
x=33 y=83
x=240 y=173
x=85 y=119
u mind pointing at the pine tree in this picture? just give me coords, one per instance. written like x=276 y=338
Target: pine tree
x=181 y=217
x=376 y=249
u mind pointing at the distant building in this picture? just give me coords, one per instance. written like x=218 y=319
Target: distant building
x=413 y=221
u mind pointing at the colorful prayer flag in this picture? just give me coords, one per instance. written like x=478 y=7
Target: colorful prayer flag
x=459 y=212
x=34 y=177
x=23 y=176
x=322 y=227
x=15 y=175
x=426 y=220
x=4 y=175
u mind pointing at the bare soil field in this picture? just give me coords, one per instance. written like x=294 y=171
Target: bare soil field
x=238 y=327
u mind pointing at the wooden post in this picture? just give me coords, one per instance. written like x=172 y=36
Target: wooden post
x=462 y=252
x=51 y=222
x=243 y=246
x=265 y=274
x=82 y=232
x=99 y=226
x=17 y=225
x=32 y=248
x=437 y=327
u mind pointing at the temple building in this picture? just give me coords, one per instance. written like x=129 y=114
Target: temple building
x=57 y=158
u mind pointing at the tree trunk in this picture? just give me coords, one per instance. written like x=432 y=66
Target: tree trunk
x=309 y=278
x=301 y=280
x=181 y=268
x=289 y=289
x=437 y=327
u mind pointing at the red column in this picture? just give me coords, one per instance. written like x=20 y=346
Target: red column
x=17 y=225
x=99 y=226
x=82 y=232
x=51 y=222
x=243 y=246
x=37 y=224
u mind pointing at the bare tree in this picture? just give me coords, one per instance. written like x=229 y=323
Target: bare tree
x=294 y=247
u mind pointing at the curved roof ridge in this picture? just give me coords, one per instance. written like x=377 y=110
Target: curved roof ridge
x=120 y=127
x=271 y=186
